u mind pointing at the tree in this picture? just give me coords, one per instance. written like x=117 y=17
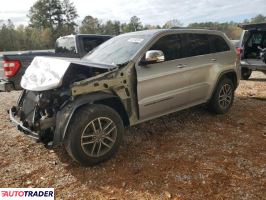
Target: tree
x=258 y=19
x=8 y=36
x=111 y=28
x=149 y=27
x=46 y=14
x=58 y=16
x=172 y=23
x=90 y=25
x=70 y=15
x=134 y=24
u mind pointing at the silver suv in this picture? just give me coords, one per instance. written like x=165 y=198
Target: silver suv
x=86 y=103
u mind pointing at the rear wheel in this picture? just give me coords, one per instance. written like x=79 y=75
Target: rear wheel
x=94 y=134
x=223 y=97
x=246 y=73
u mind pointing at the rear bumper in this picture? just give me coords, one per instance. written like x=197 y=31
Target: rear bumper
x=6 y=86
x=255 y=65
x=22 y=128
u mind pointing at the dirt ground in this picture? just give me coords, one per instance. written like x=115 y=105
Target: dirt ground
x=187 y=155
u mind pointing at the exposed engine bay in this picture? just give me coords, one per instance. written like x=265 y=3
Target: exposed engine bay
x=37 y=112
x=49 y=90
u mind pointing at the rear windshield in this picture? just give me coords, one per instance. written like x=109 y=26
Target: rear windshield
x=89 y=43
x=65 y=45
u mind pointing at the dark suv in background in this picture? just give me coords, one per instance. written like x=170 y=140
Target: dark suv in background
x=252 y=49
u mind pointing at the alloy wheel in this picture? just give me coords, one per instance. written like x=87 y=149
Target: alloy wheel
x=225 y=96
x=98 y=137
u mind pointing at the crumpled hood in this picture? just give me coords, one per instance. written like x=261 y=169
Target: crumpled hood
x=45 y=73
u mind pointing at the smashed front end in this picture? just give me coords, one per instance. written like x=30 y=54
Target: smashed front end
x=47 y=96
x=35 y=114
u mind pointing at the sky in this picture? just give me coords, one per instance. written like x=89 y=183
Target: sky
x=149 y=11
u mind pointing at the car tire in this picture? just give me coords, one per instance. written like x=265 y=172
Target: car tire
x=245 y=73
x=223 y=97
x=94 y=134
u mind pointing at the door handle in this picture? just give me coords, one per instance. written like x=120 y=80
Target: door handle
x=214 y=59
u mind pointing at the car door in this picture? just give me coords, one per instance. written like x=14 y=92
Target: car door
x=162 y=87
x=199 y=65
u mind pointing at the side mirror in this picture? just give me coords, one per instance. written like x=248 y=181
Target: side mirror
x=153 y=56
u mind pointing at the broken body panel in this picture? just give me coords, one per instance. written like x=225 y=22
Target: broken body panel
x=41 y=79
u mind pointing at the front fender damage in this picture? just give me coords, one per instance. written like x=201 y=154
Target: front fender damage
x=120 y=83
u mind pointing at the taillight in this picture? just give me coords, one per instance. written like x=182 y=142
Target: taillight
x=239 y=51
x=11 y=67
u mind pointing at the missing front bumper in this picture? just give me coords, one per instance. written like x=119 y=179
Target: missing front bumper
x=21 y=127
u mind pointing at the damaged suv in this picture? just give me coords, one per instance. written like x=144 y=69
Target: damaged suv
x=85 y=104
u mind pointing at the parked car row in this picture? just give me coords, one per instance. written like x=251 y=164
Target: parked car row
x=85 y=104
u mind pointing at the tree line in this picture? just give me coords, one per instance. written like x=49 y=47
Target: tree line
x=50 y=19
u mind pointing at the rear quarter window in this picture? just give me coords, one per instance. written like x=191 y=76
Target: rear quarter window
x=217 y=44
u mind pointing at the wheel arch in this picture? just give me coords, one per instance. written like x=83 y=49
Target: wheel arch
x=231 y=74
x=65 y=115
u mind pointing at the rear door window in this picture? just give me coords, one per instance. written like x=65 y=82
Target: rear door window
x=170 y=45
x=217 y=44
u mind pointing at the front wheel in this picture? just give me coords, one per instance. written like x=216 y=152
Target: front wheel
x=94 y=134
x=223 y=97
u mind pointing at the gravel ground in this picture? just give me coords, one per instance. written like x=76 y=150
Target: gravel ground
x=187 y=155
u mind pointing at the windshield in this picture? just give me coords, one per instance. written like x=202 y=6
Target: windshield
x=117 y=50
x=65 y=45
